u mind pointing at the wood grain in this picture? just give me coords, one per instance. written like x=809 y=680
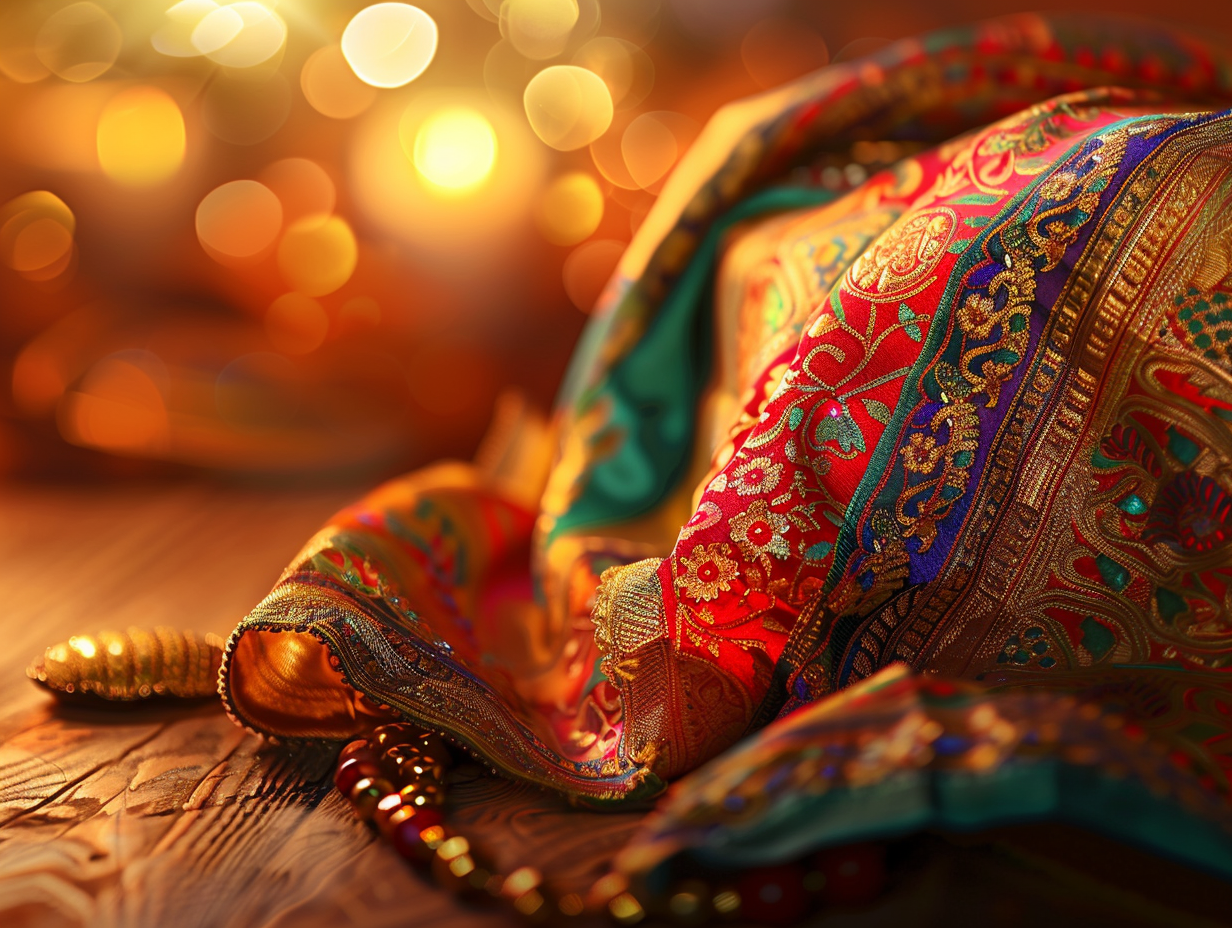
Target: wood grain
x=168 y=815
x=171 y=816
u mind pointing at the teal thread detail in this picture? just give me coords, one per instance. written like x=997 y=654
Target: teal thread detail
x=1170 y=604
x=1096 y=638
x=1115 y=576
x=1180 y=447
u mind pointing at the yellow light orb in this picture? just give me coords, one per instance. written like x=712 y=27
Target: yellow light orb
x=625 y=68
x=568 y=107
x=331 y=87
x=389 y=44
x=317 y=255
x=79 y=42
x=174 y=37
x=571 y=209
x=36 y=234
x=296 y=324
x=538 y=29
x=238 y=220
x=140 y=137
x=240 y=35
x=454 y=149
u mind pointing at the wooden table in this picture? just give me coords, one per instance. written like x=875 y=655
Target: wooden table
x=173 y=817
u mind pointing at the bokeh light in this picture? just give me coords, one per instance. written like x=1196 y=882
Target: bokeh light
x=588 y=269
x=296 y=324
x=625 y=68
x=331 y=87
x=570 y=209
x=140 y=136
x=56 y=127
x=174 y=37
x=36 y=234
x=302 y=186
x=318 y=254
x=391 y=193
x=389 y=44
x=538 y=29
x=384 y=235
x=567 y=106
x=454 y=149
x=649 y=149
x=652 y=143
x=119 y=405
x=240 y=35
x=79 y=42
x=238 y=220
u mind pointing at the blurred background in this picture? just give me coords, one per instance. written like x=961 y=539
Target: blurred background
x=316 y=239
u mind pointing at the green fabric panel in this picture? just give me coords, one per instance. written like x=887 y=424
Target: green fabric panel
x=960 y=801
x=654 y=390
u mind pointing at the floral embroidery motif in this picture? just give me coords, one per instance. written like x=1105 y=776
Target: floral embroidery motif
x=758 y=476
x=707 y=515
x=707 y=572
x=759 y=532
x=903 y=257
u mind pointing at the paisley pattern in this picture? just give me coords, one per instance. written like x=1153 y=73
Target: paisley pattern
x=935 y=472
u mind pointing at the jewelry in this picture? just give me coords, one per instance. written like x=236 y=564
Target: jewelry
x=395 y=780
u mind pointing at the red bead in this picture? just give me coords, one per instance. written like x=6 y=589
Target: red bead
x=773 y=895
x=351 y=771
x=355 y=748
x=854 y=874
x=405 y=835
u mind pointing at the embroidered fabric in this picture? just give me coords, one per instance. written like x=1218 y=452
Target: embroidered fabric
x=971 y=417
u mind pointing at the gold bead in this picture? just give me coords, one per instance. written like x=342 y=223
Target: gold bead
x=571 y=905
x=626 y=910
x=366 y=793
x=726 y=903
x=397 y=733
x=422 y=793
x=690 y=903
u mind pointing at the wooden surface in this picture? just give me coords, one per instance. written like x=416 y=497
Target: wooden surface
x=173 y=816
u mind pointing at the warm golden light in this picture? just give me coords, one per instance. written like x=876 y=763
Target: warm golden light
x=389 y=44
x=240 y=35
x=140 y=137
x=571 y=209
x=538 y=29
x=331 y=87
x=317 y=255
x=83 y=646
x=119 y=406
x=625 y=68
x=174 y=37
x=649 y=148
x=296 y=324
x=568 y=107
x=240 y=220
x=391 y=194
x=454 y=149
x=36 y=233
x=79 y=42
x=302 y=186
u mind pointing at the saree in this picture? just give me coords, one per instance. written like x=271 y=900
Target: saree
x=890 y=487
